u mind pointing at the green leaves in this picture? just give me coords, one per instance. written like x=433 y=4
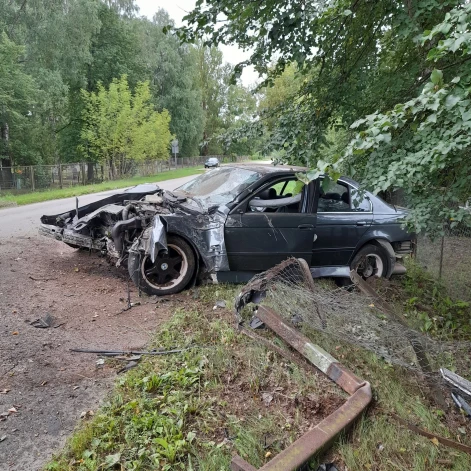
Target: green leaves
x=436 y=77
x=122 y=127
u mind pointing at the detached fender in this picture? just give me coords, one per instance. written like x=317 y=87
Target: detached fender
x=152 y=240
x=158 y=238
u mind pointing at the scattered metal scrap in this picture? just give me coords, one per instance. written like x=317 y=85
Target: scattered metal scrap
x=461 y=403
x=111 y=353
x=460 y=385
x=45 y=322
x=456 y=380
x=432 y=436
x=325 y=432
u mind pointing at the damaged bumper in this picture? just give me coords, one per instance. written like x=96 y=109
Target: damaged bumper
x=70 y=237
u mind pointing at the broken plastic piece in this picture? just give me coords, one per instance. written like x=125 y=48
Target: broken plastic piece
x=461 y=403
x=456 y=380
x=327 y=467
x=43 y=323
x=256 y=323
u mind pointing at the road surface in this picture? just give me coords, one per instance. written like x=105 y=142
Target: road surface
x=24 y=220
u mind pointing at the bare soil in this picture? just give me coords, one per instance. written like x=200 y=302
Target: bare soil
x=47 y=385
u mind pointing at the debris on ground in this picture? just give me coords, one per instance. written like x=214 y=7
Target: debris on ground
x=220 y=304
x=128 y=352
x=433 y=437
x=456 y=380
x=131 y=364
x=327 y=467
x=43 y=323
x=87 y=414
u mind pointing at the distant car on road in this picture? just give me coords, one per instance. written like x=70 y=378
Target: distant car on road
x=211 y=162
x=232 y=222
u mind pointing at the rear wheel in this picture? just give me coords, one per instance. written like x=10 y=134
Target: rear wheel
x=171 y=271
x=369 y=261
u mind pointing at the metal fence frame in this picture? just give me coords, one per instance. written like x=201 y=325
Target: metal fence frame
x=30 y=178
x=448 y=259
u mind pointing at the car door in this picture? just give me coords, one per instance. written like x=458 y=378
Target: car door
x=259 y=239
x=343 y=216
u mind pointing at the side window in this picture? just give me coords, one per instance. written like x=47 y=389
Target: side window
x=359 y=202
x=335 y=199
x=341 y=197
x=281 y=197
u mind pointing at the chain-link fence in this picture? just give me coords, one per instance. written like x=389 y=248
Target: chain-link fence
x=448 y=258
x=29 y=178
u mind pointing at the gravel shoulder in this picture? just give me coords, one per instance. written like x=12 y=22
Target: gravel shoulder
x=47 y=385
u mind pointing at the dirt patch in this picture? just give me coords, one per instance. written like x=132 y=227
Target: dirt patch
x=48 y=385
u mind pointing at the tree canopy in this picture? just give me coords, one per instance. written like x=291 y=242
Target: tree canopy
x=121 y=127
x=386 y=66
x=51 y=51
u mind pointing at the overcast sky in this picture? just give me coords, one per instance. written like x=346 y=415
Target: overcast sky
x=177 y=10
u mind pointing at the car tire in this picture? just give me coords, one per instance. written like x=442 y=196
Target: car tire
x=369 y=261
x=170 y=273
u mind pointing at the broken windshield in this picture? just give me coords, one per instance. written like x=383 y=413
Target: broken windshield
x=219 y=186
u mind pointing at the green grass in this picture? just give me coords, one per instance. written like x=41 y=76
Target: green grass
x=196 y=409
x=46 y=195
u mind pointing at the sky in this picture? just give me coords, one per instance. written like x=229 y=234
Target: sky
x=177 y=9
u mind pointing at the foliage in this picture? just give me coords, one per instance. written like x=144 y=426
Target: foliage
x=174 y=82
x=70 y=45
x=430 y=305
x=17 y=94
x=121 y=127
x=424 y=145
x=356 y=59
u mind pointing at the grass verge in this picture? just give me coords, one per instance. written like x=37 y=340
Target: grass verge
x=228 y=395
x=46 y=195
x=195 y=409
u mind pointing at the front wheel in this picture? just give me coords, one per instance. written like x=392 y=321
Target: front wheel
x=171 y=272
x=369 y=261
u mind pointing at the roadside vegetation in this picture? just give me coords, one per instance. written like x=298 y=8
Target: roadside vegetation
x=227 y=394
x=39 y=196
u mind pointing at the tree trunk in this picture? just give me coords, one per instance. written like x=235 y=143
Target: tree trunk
x=90 y=172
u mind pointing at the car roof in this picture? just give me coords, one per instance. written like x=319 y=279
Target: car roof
x=265 y=169
x=269 y=168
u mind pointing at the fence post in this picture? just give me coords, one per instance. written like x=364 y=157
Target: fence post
x=60 y=176
x=31 y=171
x=441 y=258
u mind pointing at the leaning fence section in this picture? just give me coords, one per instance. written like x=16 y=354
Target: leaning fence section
x=448 y=258
x=29 y=178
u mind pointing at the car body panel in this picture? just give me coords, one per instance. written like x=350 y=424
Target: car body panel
x=234 y=236
x=258 y=241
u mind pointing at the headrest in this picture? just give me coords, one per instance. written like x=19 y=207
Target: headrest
x=268 y=194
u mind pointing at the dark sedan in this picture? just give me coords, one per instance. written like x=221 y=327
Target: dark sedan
x=232 y=222
x=212 y=162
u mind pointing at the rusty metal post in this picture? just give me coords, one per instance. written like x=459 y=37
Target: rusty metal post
x=326 y=431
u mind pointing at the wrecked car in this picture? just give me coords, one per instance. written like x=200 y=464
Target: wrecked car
x=234 y=221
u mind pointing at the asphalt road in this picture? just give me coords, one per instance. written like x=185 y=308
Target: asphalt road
x=24 y=220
